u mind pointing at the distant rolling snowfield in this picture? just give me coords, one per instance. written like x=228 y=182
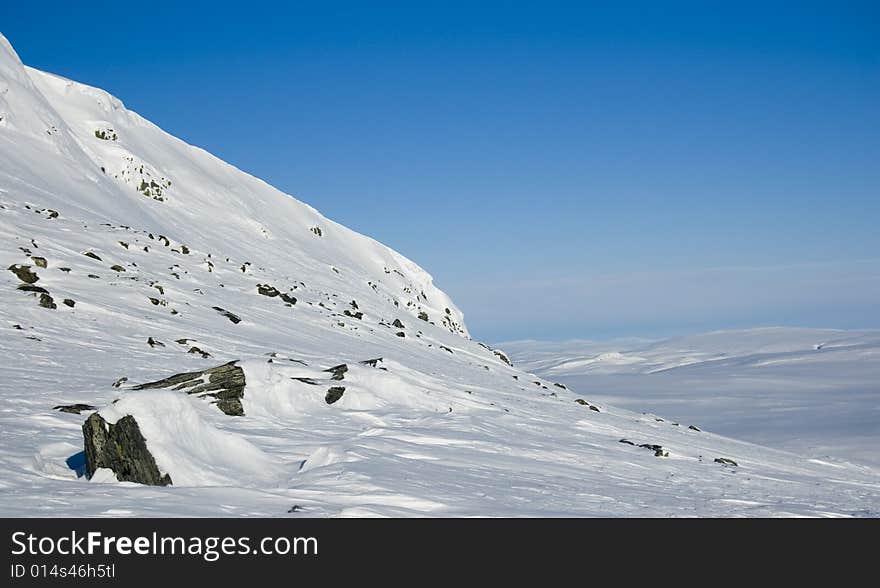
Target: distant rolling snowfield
x=815 y=392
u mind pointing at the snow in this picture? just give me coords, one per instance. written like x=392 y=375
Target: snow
x=810 y=391
x=440 y=426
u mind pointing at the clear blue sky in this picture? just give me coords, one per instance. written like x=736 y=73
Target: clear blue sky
x=563 y=170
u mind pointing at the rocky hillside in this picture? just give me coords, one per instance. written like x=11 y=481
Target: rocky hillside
x=180 y=338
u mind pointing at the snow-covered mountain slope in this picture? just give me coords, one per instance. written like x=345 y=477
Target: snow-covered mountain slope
x=134 y=257
x=813 y=391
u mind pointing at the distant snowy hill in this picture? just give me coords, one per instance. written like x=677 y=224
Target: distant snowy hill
x=259 y=359
x=813 y=391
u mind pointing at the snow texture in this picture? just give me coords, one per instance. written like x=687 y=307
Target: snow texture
x=181 y=248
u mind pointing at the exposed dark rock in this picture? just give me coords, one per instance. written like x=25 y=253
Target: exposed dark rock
x=694 y=428
x=184 y=249
x=69 y=302
x=288 y=298
x=117 y=268
x=334 y=394
x=502 y=356
x=40 y=261
x=224 y=383
x=726 y=461
x=582 y=402
x=123 y=243
x=24 y=273
x=183 y=341
x=197 y=351
x=560 y=386
x=338 y=371
x=372 y=362
x=398 y=324
x=445 y=348
x=400 y=334
x=92 y=255
x=66 y=270
x=153 y=343
x=594 y=408
x=120 y=381
x=267 y=290
x=234 y=318
x=32 y=288
x=423 y=315
x=354 y=304
x=47 y=301
x=309 y=381
x=356 y=315
x=73 y=408
x=628 y=442
x=122 y=448
x=94 y=277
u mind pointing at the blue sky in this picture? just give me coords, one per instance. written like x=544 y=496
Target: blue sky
x=563 y=170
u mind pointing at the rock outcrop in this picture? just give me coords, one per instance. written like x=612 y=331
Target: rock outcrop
x=224 y=383
x=120 y=447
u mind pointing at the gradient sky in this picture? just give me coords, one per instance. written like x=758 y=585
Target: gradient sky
x=563 y=170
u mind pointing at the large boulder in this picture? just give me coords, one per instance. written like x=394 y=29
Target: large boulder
x=224 y=383
x=120 y=447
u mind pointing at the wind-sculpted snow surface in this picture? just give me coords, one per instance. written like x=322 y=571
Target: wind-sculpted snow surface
x=136 y=259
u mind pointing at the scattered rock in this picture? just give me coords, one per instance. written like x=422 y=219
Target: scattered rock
x=502 y=356
x=338 y=371
x=233 y=318
x=32 y=288
x=40 y=261
x=334 y=394
x=225 y=383
x=309 y=381
x=726 y=461
x=423 y=315
x=73 y=408
x=69 y=302
x=197 y=351
x=400 y=334
x=122 y=448
x=66 y=270
x=267 y=290
x=694 y=428
x=372 y=362
x=117 y=268
x=153 y=343
x=356 y=315
x=397 y=324
x=288 y=298
x=24 y=273
x=47 y=301
x=92 y=255
x=560 y=386
x=628 y=442
x=582 y=402
x=120 y=381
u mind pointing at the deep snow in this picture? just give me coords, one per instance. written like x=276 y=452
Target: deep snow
x=181 y=241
